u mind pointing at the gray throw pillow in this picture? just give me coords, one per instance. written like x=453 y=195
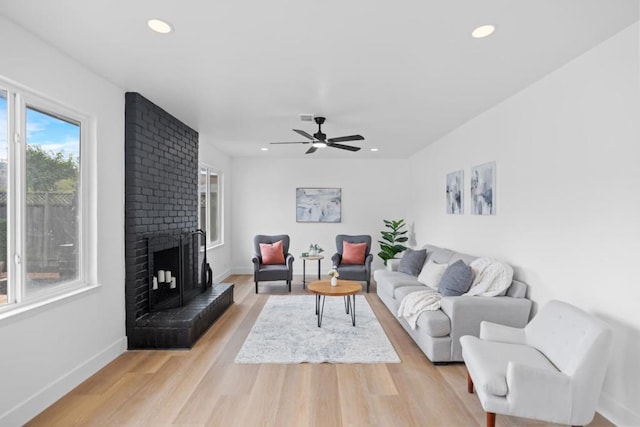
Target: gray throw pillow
x=412 y=261
x=456 y=280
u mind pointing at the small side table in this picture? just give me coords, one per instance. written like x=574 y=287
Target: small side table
x=304 y=259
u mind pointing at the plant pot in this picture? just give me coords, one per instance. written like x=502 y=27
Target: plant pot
x=334 y=281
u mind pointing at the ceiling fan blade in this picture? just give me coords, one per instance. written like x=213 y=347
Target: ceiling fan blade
x=296 y=142
x=311 y=150
x=303 y=133
x=343 y=147
x=346 y=138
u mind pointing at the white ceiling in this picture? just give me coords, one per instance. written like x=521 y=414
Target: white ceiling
x=401 y=73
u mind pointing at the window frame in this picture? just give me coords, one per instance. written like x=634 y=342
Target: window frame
x=19 y=99
x=220 y=212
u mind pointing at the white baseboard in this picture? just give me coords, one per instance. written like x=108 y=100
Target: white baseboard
x=221 y=276
x=311 y=272
x=616 y=413
x=39 y=401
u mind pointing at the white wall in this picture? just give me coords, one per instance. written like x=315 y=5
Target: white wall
x=219 y=257
x=567 y=151
x=46 y=352
x=263 y=202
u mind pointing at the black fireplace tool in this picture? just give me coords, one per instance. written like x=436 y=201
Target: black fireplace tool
x=206 y=273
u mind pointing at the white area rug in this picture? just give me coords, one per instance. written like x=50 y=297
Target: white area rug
x=287 y=331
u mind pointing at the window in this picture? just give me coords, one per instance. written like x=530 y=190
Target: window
x=210 y=193
x=41 y=203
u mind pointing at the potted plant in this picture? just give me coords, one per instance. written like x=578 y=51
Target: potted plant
x=391 y=243
x=315 y=249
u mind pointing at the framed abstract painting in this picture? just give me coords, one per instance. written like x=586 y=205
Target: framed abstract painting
x=318 y=205
x=483 y=189
x=455 y=186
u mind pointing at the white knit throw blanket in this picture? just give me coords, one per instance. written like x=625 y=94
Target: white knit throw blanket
x=491 y=277
x=416 y=303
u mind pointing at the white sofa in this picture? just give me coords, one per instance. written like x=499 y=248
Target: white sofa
x=551 y=370
x=438 y=332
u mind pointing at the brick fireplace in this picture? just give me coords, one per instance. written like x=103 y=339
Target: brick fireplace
x=161 y=214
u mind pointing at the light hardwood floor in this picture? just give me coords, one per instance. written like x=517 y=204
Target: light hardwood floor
x=203 y=387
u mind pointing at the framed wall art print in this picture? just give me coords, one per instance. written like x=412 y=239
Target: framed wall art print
x=455 y=186
x=318 y=205
x=483 y=189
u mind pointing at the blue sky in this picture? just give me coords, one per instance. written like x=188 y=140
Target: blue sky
x=51 y=133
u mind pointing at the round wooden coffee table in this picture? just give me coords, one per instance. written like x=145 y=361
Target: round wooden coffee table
x=346 y=288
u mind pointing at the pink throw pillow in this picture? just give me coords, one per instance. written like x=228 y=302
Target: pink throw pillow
x=353 y=253
x=272 y=253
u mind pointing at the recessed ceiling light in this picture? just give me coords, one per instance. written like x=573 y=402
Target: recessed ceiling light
x=159 y=26
x=264 y=149
x=374 y=149
x=483 y=31
x=319 y=144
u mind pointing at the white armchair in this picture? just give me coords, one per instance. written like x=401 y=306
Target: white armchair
x=552 y=370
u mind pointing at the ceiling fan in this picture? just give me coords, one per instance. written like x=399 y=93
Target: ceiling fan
x=319 y=139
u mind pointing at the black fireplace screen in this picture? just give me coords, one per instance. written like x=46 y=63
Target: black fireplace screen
x=174 y=273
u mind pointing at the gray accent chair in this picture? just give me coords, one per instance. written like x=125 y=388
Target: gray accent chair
x=551 y=370
x=361 y=273
x=265 y=273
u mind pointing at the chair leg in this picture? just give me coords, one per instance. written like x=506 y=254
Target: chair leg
x=256 y=287
x=289 y=283
x=368 y=283
x=491 y=419
x=469 y=383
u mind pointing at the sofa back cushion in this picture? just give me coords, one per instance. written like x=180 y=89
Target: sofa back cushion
x=468 y=259
x=517 y=290
x=438 y=255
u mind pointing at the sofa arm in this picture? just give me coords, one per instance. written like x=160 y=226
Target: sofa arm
x=495 y=332
x=466 y=313
x=392 y=264
x=534 y=390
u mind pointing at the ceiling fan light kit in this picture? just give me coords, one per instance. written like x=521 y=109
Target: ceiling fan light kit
x=320 y=140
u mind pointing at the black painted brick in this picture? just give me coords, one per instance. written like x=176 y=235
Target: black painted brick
x=161 y=193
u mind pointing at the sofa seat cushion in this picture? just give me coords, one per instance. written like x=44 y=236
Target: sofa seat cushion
x=350 y=270
x=394 y=279
x=399 y=292
x=272 y=272
x=488 y=361
x=433 y=323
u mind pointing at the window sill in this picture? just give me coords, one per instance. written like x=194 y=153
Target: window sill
x=12 y=310
x=215 y=245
